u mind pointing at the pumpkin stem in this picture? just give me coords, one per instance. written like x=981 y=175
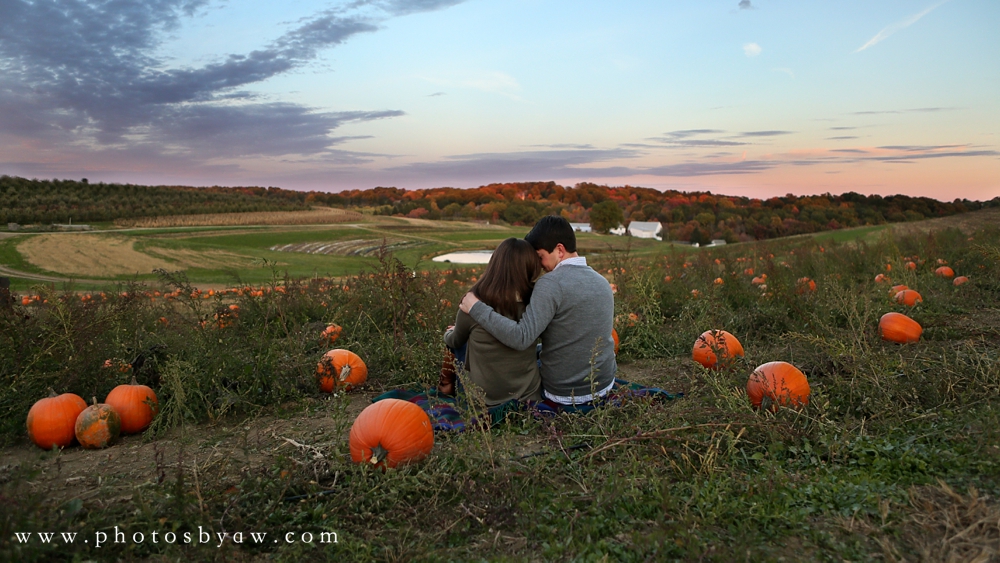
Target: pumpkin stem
x=345 y=372
x=52 y=393
x=134 y=382
x=379 y=454
x=94 y=399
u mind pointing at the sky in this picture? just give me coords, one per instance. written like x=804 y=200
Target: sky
x=739 y=97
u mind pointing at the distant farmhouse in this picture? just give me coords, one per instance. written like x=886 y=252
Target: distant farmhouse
x=645 y=229
x=581 y=227
x=619 y=230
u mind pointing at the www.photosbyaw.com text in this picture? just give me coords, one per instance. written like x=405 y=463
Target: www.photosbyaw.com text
x=109 y=538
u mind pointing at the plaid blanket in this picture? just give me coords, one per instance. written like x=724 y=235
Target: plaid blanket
x=446 y=412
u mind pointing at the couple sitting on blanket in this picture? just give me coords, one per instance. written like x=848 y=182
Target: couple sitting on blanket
x=571 y=308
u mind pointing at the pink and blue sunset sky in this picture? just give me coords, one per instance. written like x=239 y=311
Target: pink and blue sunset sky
x=739 y=97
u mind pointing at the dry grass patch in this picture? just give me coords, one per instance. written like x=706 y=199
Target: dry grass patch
x=939 y=524
x=108 y=256
x=88 y=255
x=315 y=216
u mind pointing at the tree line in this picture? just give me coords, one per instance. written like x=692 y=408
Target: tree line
x=26 y=201
x=688 y=216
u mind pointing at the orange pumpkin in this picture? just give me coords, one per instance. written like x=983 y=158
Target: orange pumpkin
x=50 y=420
x=98 y=426
x=911 y=265
x=719 y=281
x=959 y=280
x=759 y=280
x=945 y=272
x=881 y=278
x=340 y=369
x=135 y=404
x=805 y=284
x=909 y=297
x=896 y=289
x=780 y=383
x=715 y=343
x=330 y=334
x=391 y=432
x=614 y=336
x=897 y=327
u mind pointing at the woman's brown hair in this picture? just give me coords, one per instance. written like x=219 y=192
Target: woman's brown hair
x=510 y=275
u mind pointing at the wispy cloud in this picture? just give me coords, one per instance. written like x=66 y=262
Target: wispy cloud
x=751 y=49
x=901 y=24
x=784 y=70
x=685 y=138
x=912 y=110
x=765 y=133
x=745 y=5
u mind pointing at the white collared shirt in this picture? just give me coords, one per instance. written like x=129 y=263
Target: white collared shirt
x=576 y=261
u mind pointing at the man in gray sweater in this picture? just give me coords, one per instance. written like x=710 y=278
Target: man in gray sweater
x=571 y=308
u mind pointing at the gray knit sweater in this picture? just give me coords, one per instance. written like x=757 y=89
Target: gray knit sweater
x=572 y=308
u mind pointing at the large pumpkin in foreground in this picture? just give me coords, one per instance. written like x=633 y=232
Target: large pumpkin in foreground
x=340 y=369
x=135 y=404
x=713 y=344
x=614 y=336
x=897 y=327
x=391 y=432
x=51 y=420
x=777 y=383
x=98 y=426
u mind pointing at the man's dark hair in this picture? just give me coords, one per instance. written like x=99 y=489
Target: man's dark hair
x=550 y=231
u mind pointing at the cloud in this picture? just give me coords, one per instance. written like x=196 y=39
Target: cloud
x=894 y=27
x=765 y=133
x=683 y=139
x=841 y=138
x=913 y=110
x=784 y=70
x=751 y=49
x=435 y=94
x=842 y=128
x=89 y=76
x=745 y=5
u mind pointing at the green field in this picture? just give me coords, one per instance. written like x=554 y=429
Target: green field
x=259 y=262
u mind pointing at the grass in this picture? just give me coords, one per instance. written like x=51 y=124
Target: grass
x=896 y=457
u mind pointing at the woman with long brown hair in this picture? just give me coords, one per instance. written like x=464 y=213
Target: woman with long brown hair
x=501 y=372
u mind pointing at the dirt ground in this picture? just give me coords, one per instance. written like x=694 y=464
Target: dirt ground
x=226 y=449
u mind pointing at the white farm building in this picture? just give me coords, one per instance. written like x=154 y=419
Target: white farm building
x=581 y=227
x=645 y=229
